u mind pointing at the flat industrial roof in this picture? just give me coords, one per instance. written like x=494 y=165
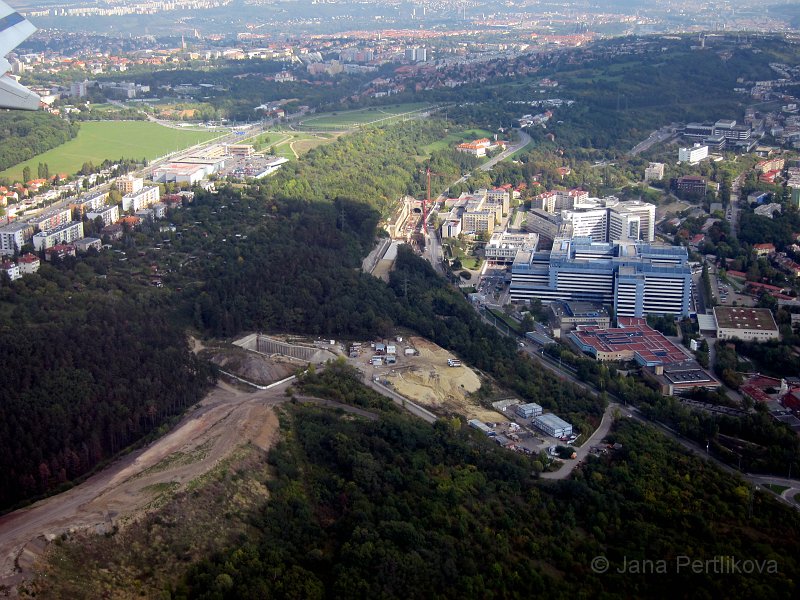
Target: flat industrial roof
x=552 y=420
x=634 y=336
x=745 y=318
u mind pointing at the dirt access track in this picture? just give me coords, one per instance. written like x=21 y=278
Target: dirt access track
x=226 y=418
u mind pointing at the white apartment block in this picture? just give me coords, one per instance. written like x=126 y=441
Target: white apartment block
x=109 y=214
x=501 y=196
x=64 y=234
x=13 y=236
x=11 y=269
x=558 y=200
x=693 y=155
x=88 y=203
x=129 y=184
x=140 y=199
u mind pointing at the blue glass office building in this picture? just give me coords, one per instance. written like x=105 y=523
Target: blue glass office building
x=635 y=278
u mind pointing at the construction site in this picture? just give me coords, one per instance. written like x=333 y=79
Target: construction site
x=425 y=373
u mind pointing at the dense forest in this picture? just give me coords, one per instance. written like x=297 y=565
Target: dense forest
x=25 y=135
x=397 y=508
x=87 y=371
x=376 y=167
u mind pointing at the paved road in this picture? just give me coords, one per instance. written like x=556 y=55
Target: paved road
x=656 y=137
x=524 y=140
x=400 y=400
x=582 y=452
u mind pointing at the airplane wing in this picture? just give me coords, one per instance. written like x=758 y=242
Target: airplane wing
x=14 y=29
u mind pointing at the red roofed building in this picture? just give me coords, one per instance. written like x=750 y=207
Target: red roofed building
x=476 y=147
x=131 y=220
x=59 y=251
x=28 y=263
x=769 y=176
x=633 y=339
x=791 y=400
x=761 y=388
x=764 y=249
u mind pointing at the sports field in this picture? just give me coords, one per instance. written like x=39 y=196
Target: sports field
x=342 y=120
x=100 y=140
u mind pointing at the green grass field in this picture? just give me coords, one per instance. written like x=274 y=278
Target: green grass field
x=452 y=139
x=352 y=118
x=100 y=140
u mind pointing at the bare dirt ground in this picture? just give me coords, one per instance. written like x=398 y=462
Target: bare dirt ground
x=250 y=366
x=428 y=380
x=224 y=420
x=382 y=269
x=673 y=208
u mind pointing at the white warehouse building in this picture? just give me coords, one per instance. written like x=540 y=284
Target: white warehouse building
x=553 y=425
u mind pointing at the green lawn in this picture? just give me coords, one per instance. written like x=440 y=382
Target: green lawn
x=100 y=140
x=351 y=118
x=778 y=489
x=453 y=139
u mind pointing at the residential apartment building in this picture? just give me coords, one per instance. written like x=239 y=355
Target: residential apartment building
x=479 y=221
x=129 y=184
x=500 y=196
x=141 y=198
x=636 y=278
x=11 y=269
x=28 y=263
x=91 y=202
x=13 y=236
x=547 y=225
x=109 y=214
x=63 y=234
x=772 y=164
x=50 y=219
